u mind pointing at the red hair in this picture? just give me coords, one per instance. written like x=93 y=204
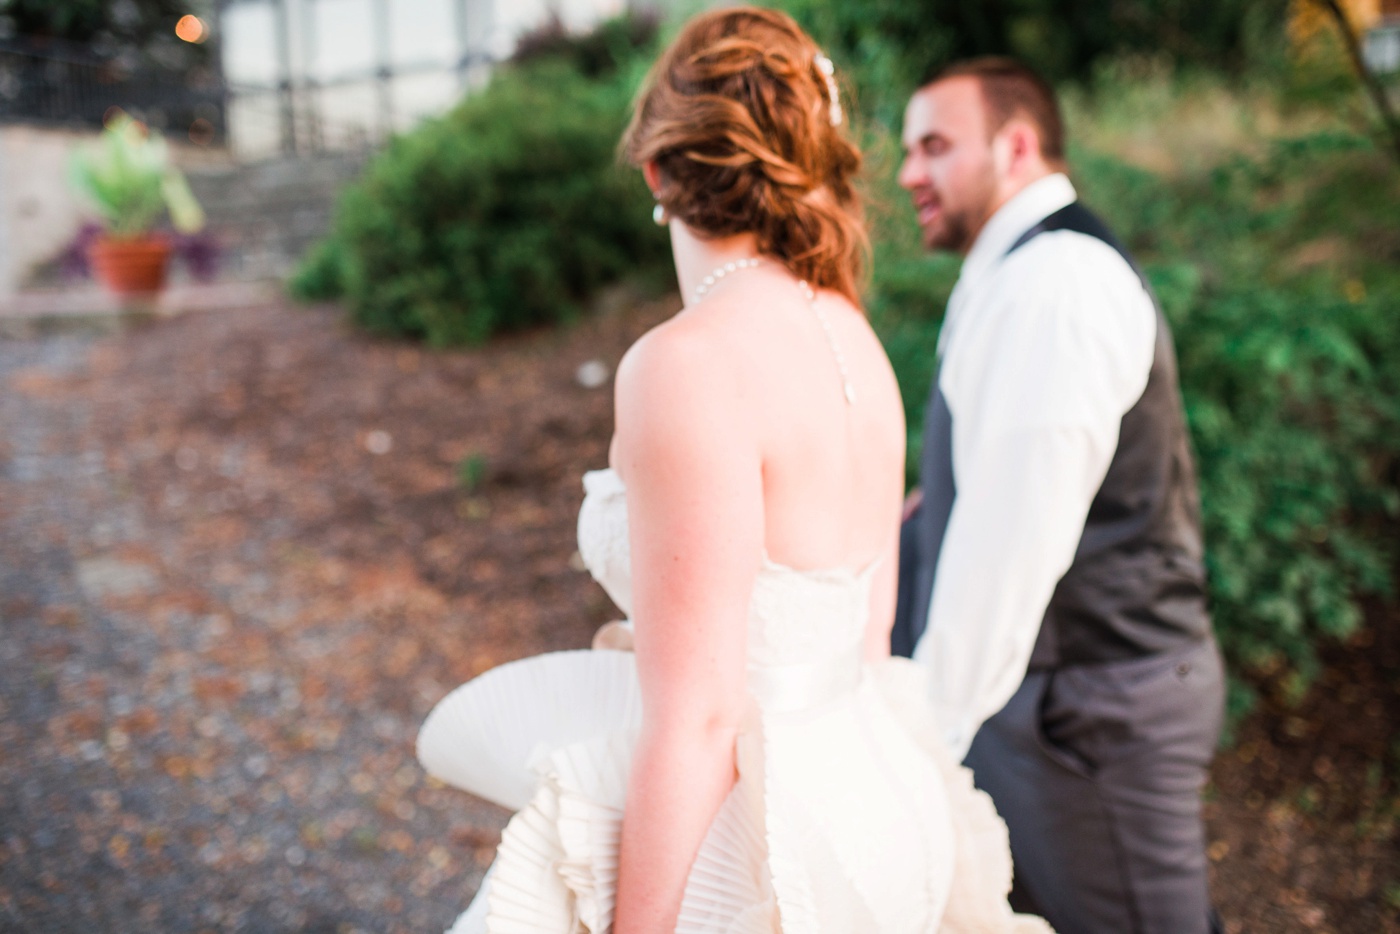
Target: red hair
x=741 y=121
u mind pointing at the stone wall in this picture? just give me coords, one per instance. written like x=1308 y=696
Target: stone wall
x=266 y=214
x=38 y=212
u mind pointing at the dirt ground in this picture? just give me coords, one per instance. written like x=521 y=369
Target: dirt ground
x=242 y=554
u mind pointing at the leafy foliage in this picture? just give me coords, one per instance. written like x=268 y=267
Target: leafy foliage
x=511 y=211
x=322 y=273
x=1279 y=276
x=128 y=177
x=610 y=48
x=902 y=39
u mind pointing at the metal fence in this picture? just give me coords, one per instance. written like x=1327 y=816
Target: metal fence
x=57 y=84
x=295 y=100
x=351 y=111
x=63 y=85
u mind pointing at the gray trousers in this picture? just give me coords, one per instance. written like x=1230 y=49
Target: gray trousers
x=1097 y=771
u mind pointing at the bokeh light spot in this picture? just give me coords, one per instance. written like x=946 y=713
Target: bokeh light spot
x=191 y=28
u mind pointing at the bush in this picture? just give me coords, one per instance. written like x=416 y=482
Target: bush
x=509 y=212
x=610 y=48
x=322 y=274
x=889 y=45
x=1279 y=276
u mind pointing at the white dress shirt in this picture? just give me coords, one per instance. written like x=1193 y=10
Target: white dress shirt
x=1042 y=353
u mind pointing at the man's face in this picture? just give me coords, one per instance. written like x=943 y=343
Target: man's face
x=948 y=167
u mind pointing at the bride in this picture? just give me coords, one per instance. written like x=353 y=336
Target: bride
x=759 y=764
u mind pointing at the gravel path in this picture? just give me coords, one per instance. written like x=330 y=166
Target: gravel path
x=177 y=753
x=243 y=553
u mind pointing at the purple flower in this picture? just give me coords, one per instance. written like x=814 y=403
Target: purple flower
x=73 y=261
x=200 y=253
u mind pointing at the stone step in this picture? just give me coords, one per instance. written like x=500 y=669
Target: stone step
x=265 y=215
x=92 y=309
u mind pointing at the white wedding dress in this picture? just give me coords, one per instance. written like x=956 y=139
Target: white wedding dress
x=848 y=817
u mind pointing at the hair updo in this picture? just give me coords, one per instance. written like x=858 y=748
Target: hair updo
x=742 y=123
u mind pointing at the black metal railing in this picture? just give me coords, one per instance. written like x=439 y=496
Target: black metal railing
x=60 y=84
x=53 y=83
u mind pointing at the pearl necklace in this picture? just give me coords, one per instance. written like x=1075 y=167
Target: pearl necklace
x=719 y=272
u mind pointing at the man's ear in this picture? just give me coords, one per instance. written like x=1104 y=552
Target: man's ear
x=1016 y=147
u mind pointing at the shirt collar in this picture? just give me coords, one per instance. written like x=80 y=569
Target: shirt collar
x=1028 y=207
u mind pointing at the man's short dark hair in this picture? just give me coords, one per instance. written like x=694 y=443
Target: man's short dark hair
x=1011 y=89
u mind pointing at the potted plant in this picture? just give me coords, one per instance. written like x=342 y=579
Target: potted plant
x=127 y=175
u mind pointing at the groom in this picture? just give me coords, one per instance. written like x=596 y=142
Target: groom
x=1051 y=568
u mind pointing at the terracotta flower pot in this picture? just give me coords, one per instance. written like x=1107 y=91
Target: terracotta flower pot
x=131 y=266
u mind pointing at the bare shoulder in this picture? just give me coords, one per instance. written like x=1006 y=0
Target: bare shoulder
x=866 y=351
x=674 y=360
x=676 y=390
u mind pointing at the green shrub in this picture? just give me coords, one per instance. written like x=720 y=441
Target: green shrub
x=322 y=273
x=888 y=45
x=612 y=47
x=1279 y=276
x=509 y=212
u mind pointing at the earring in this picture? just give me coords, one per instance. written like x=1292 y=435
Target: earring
x=833 y=96
x=659 y=215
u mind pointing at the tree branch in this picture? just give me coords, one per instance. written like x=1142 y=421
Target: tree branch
x=1358 y=62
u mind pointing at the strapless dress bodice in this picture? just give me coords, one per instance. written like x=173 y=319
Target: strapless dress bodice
x=805 y=625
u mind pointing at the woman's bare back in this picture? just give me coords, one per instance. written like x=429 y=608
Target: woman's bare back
x=832 y=470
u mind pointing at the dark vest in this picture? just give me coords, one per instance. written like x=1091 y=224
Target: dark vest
x=1137 y=583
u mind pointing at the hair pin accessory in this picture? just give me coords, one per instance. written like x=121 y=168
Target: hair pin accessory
x=828 y=70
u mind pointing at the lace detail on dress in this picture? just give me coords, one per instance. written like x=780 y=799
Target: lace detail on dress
x=602 y=535
x=795 y=615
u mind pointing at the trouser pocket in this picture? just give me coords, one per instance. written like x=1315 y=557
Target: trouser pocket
x=1165 y=709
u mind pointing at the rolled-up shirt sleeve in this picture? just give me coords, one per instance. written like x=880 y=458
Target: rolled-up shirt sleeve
x=1046 y=359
